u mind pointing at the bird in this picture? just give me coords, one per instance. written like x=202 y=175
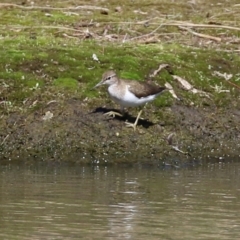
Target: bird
x=129 y=93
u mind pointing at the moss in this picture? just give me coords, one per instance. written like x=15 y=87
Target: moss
x=67 y=83
x=73 y=68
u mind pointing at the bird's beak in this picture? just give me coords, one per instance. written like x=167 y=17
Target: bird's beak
x=99 y=84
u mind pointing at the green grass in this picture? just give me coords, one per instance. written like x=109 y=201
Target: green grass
x=66 y=83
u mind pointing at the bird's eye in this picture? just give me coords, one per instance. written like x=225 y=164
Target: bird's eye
x=108 y=78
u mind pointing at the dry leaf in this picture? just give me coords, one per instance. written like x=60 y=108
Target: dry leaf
x=223 y=75
x=170 y=88
x=95 y=58
x=48 y=115
x=187 y=86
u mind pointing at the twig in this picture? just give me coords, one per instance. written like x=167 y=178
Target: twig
x=220 y=50
x=4 y=139
x=178 y=150
x=84 y=7
x=231 y=51
x=68 y=36
x=85 y=24
x=47 y=27
x=170 y=138
x=200 y=34
x=145 y=35
x=186 y=24
x=179 y=23
x=124 y=39
x=223 y=14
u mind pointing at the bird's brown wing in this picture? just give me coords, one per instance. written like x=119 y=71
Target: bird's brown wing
x=144 y=89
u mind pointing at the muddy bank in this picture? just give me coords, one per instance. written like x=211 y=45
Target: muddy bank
x=82 y=134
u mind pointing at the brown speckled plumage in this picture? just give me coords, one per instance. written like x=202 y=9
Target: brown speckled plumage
x=129 y=93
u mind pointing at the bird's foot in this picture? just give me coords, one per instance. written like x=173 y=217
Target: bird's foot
x=113 y=114
x=133 y=125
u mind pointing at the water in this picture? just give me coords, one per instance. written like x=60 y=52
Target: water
x=49 y=201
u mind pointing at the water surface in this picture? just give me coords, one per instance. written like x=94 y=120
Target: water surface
x=60 y=201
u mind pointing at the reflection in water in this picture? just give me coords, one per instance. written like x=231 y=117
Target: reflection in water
x=47 y=201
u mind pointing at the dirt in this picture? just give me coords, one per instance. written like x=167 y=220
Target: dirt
x=81 y=134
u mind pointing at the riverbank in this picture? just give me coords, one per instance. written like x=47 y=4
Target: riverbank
x=50 y=112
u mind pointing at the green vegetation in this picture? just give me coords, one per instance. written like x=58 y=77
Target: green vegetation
x=40 y=50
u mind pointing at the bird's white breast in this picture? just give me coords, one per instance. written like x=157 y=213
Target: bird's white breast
x=125 y=98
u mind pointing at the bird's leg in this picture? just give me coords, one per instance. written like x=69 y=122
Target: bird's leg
x=134 y=125
x=144 y=108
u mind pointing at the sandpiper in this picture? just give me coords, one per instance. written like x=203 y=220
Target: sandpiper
x=129 y=93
